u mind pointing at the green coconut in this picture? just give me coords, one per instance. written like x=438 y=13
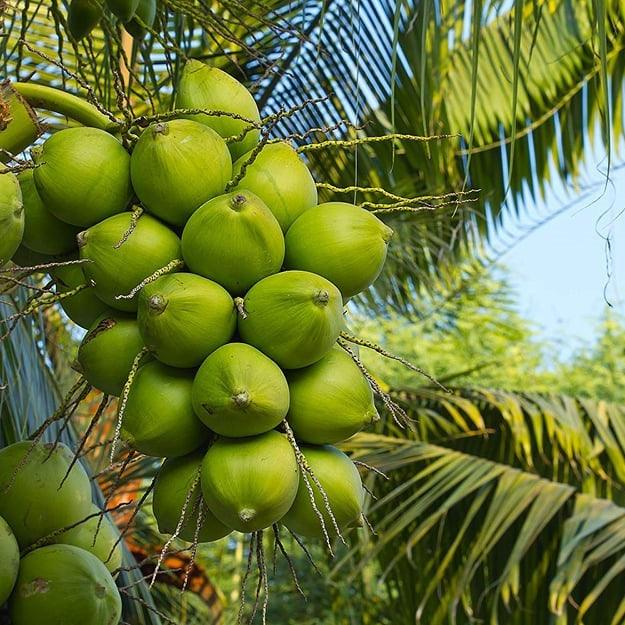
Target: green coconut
x=82 y=17
x=250 y=483
x=10 y=558
x=43 y=232
x=123 y=9
x=108 y=350
x=331 y=400
x=11 y=216
x=204 y=87
x=83 y=175
x=235 y=240
x=341 y=482
x=294 y=317
x=32 y=501
x=173 y=485
x=144 y=17
x=341 y=242
x=84 y=307
x=64 y=585
x=279 y=177
x=159 y=418
x=183 y=318
x=115 y=271
x=99 y=543
x=176 y=166
x=238 y=391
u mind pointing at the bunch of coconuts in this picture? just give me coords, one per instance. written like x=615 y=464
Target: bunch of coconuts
x=69 y=550
x=213 y=307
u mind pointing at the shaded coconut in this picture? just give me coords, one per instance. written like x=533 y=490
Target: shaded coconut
x=84 y=307
x=11 y=216
x=173 y=485
x=83 y=175
x=279 y=177
x=341 y=242
x=100 y=544
x=116 y=271
x=176 y=166
x=10 y=558
x=250 y=483
x=63 y=584
x=331 y=400
x=82 y=17
x=235 y=240
x=107 y=351
x=238 y=391
x=144 y=17
x=124 y=9
x=183 y=318
x=159 y=418
x=23 y=257
x=341 y=482
x=204 y=87
x=294 y=317
x=32 y=502
x=43 y=232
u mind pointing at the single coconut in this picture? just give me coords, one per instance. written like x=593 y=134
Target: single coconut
x=84 y=307
x=124 y=9
x=64 y=585
x=143 y=18
x=342 y=485
x=174 y=486
x=331 y=400
x=43 y=232
x=294 y=317
x=341 y=242
x=178 y=165
x=11 y=216
x=33 y=502
x=204 y=87
x=279 y=177
x=238 y=391
x=83 y=175
x=10 y=558
x=82 y=17
x=159 y=418
x=100 y=542
x=250 y=483
x=183 y=318
x=235 y=240
x=107 y=351
x=117 y=269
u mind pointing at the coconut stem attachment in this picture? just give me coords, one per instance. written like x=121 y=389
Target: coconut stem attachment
x=242 y=400
x=237 y=202
x=157 y=304
x=247 y=514
x=239 y=302
x=321 y=297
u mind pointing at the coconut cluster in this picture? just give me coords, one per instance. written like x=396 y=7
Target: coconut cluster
x=213 y=308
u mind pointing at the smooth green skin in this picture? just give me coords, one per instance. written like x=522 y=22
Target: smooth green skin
x=10 y=558
x=331 y=400
x=178 y=165
x=34 y=506
x=108 y=350
x=238 y=391
x=144 y=16
x=11 y=216
x=341 y=482
x=82 y=17
x=159 y=418
x=235 y=240
x=294 y=317
x=341 y=242
x=64 y=585
x=279 y=177
x=204 y=87
x=116 y=272
x=123 y=9
x=43 y=232
x=250 y=483
x=84 y=307
x=82 y=536
x=83 y=175
x=183 y=318
x=173 y=484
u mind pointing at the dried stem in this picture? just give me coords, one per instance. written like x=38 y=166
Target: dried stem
x=366 y=140
x=134 y=219
x=283 y=551
x=168 y=268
